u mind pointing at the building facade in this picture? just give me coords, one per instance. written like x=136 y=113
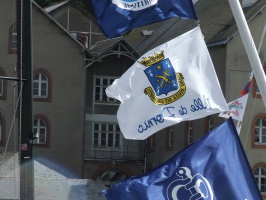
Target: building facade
x=99 y=150
x=58 y=91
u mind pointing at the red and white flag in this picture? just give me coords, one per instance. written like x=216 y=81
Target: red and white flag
x=236 y=108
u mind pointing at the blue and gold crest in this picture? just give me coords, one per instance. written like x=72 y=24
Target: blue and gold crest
x=163 y=79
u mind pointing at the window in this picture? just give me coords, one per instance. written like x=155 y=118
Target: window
x=12 y=39
x=259 y=131
x=189 y=141
x=169 y=138
x=107 y=135
x=40 y=85
x=100 y=85
x=42 y=89
x=188 y=133
x=3 y=85
x=260 y=177
x=151 y=143
x=259 y=171
x=208 y=124
x=41 y=126
x=2 y=130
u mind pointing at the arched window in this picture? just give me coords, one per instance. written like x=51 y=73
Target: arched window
x=42 y=85
x=259 y=171
x=259 y=131
x=41 y=126
x=260 y=177
x=12 y=39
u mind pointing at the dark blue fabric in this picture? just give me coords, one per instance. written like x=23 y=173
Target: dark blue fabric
x=115 y=21
x=216 y=163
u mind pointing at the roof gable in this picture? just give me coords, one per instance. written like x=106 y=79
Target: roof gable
x=60 y=27
x=118 y=46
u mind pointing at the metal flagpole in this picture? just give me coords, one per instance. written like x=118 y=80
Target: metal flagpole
x=239 y=123
x=250 y=47
x=262 y=37
x=24 y=65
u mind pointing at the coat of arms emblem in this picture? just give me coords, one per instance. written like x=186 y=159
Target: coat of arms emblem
x=163 y=79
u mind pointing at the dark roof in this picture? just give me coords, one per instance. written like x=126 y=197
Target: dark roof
x=216 y=21
x=104 y=45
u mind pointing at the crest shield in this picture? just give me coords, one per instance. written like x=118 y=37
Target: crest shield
x=162 y=77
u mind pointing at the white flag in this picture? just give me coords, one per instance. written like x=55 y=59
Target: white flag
x=173 y=82
x=236 y=108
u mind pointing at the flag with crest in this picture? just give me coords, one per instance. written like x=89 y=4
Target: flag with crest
x=173 y=82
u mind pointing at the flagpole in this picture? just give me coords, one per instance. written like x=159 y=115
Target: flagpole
x=239 y=123
x=250 y=47
x=262 y=37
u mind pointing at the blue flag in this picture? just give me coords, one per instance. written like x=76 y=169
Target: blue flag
x=116 y=17
x=213 y=168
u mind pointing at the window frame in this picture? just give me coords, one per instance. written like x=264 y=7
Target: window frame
x=12 y=50
x=169 y=138
x=4 y=85
x=40 y=82
x=47 y=98
x=188 y=139
x=107 y=133
x=208 y=124
x=48 y=130
x=151 y=143
x=254 y=144
x=102 y=87
x=254 y=168
x=3 y=130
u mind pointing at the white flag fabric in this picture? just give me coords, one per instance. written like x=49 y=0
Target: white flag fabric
x=171 y=83
x=236 y=108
